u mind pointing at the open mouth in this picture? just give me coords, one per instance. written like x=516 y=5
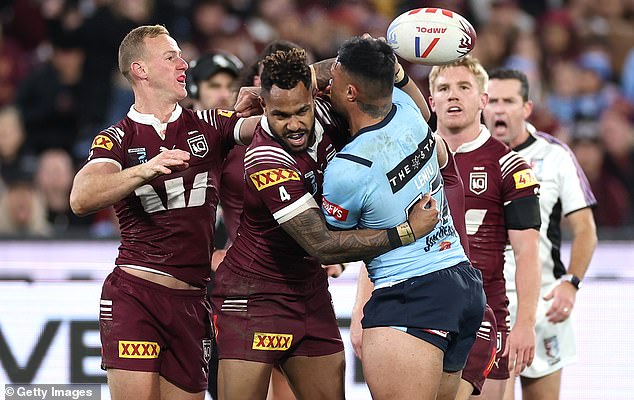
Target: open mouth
x=500 y=124
x=181 y=79
x=454 y=110
x=297 y=138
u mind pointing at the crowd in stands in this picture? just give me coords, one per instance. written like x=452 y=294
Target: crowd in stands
x=59 y=82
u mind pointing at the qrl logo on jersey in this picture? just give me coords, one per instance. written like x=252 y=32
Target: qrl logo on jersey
x=134 y=349
x=102 y=141
x=524 y=178
x=336 y=211
x=270 y=177
x=271 y=341
x=198 y=145
x=478 y=182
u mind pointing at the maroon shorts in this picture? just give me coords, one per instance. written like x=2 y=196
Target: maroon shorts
x=145 y=326
x=483 y=356
x=264 y=321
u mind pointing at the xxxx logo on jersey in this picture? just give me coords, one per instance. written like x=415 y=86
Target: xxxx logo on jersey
x=102 y=141
x=524 y=178
x=136 y=349
x=270 y=177
x=271 y=341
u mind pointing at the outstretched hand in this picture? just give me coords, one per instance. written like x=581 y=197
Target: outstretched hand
x=166 y=162
x=423 y=216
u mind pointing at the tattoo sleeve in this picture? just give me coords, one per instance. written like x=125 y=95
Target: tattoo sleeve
x=322 y=72
x=310 y=230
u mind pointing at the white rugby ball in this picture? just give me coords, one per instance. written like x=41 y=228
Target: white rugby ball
x=431 y=36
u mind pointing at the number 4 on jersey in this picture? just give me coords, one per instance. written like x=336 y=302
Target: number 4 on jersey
x=284 y=196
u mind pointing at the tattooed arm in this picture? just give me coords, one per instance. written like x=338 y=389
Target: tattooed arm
x=321 y=73
x=310 y=230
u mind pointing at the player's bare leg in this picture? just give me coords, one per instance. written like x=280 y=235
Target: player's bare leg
x=316 y=378
x=243 y=380
x=509 y=392
x=397 y=365
x=138 y=385
x=279 y=388
x=544 y=388
x=493 y=389
x=449 y=385
x=465 y=389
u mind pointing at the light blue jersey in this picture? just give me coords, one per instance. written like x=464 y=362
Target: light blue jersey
x=374 y=181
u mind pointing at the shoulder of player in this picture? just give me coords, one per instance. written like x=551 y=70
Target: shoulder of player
x=268 y=153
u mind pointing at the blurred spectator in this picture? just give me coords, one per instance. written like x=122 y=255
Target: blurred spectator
x=52 y=100
x=13 y=155
x=558 y=38
x=612 y=198
x=617 y=134
x=564 y=87
x=22 y=212
x=596 y=92
x=627 y=80
x=53 y=180
x=13 y=68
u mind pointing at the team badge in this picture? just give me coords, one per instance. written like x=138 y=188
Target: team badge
x=102 y=141
x=198 y=145
x=478 y=182
x=524 y=178
x=207 y=350
x=271 y=341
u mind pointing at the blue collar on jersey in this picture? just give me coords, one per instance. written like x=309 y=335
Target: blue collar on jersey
x=378 y=125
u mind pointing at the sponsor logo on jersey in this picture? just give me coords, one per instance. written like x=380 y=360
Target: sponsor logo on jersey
x=207 y=350
x=409 y=167
x=102 y=141
x=478 y=182
x=524 y=178
x=139 y=153
x=437 y=332
x=271 y=341
x=336 y=211
x=225 y=113
x=198 y=145
x=136 y=349
x=444 y=245
x=270 y=177
x=441 y=232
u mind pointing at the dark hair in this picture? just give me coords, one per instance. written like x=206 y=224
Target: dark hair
x=503 y=74
x=285 y=69
x=371 y=62
x=249 y=73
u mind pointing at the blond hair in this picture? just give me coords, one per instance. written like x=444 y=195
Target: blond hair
x=132 y=46
x=470 y=63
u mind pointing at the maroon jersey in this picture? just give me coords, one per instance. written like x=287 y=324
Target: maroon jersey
x=454 y=190
x=232 y=191
x=493 y=175
x=280 y=185
x=168 y=223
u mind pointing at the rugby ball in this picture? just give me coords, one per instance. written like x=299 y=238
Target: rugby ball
x=431 y=36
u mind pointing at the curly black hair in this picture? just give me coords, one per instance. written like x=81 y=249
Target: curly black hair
x=285 y=69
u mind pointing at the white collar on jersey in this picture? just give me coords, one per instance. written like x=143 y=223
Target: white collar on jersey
x=319 y=134
x=477 y=142
x=150 y=119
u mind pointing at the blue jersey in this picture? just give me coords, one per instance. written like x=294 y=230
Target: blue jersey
x=377 y=178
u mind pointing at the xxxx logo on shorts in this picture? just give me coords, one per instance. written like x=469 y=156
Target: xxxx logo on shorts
x=271 y=341
x=270 y=177
x=134 y=349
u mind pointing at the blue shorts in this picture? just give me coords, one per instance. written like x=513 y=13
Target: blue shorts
x=444 y=308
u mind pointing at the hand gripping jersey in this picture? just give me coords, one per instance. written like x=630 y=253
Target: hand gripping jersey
x=564 y=189
x=493 y=176
x=168 y=223
x=280 y=185
x=377 y=178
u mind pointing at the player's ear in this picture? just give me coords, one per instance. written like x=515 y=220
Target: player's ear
x=138 y=69
x=351 y=92
x=432 y=105
x=484 y=100
x=528 y=109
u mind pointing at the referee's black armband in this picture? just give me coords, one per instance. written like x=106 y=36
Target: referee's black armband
x=521 y=214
